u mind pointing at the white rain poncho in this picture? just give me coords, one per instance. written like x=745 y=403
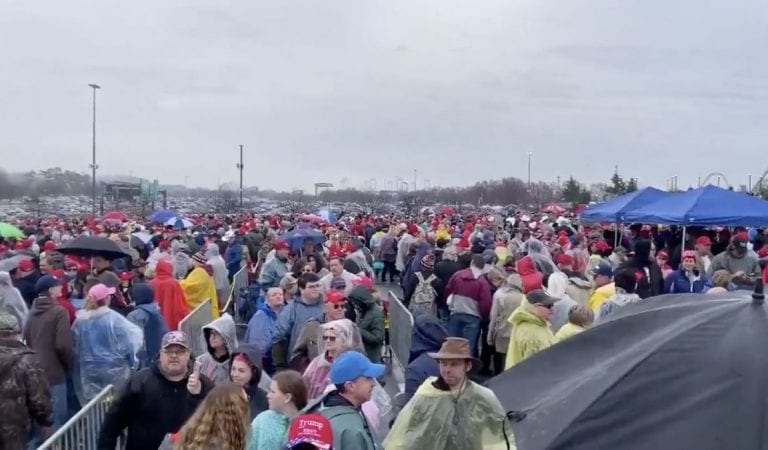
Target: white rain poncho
x=105 y=351
x=435 y=418
x=11 y=300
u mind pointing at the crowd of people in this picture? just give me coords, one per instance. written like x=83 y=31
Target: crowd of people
x=486 y=292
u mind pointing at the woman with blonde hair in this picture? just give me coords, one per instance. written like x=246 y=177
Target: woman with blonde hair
x=287 y=396
x=221 y=422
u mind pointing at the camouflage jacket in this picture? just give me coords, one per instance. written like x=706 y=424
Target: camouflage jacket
x=24 y=394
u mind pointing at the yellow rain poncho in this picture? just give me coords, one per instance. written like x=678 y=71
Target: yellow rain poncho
x=199 y=286
x=435 y=419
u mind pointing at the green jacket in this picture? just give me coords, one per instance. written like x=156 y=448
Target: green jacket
x=370 y=321
x=350 y=428
x=530 y=335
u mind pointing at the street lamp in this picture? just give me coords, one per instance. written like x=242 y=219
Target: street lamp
x=240 y=166
x=530 y=154
x=93 y=161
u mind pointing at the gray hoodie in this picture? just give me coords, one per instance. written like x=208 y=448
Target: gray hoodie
x=217 y=369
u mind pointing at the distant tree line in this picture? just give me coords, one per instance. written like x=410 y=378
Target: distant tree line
x=56 y=181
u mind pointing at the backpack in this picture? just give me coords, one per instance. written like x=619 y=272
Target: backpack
x=423 y=299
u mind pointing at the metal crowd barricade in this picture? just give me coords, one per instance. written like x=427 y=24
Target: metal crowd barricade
x=192 y=325
x=82 y=430
x=400 y=330
x=239 y=282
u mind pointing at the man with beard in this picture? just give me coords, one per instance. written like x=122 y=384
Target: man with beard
x=157 y=400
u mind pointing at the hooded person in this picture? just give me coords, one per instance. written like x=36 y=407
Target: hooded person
x=220 y=340
x=535 y=249
x=652 y=282
x=742 y=264
x=199 y=286
x=505 y=301
x=557 y=284
x=220 y=274
x=180 y=259
x=246 y=371
x=11 y=300
x=105 y=344
x=147 y=316
x=169 y=295
x=335 y=337
x=370 y=321
x=530 y=277
x=427 y=336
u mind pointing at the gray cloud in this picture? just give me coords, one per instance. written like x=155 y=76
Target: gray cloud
x=320 y=91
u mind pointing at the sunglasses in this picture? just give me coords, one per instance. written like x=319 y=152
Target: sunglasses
x=329 y=338
x=340 y=305
x=544 y=306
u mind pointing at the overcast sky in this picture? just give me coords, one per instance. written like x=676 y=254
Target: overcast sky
x=326 y=90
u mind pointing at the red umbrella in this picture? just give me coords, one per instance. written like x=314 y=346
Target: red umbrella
x=116 y=215
x=554 y=208
x=312 y=218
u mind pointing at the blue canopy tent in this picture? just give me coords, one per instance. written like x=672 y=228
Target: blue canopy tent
x=706 y=206
x=614 y=209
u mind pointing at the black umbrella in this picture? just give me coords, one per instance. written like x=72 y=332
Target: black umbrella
x=92 y=246
x=671 y=372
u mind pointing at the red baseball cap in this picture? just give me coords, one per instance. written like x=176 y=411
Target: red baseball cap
x=363 y=280
x=312 y=429
x=564 y=260
x=281 y=245
x=335 y=297
x=25 y=265
x=703 y=240
x=49 y=246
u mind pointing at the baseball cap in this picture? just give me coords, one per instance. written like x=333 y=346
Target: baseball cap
x=603 y=269
x=281 y=245
x=25 y=265
x=175 y=338
x=101 y=291
x=703 y=240
x=46 y=282
x=335 y=297
x=740 y=240
x=352 y=365
x=540 y=297
x=49 y=246
x=8 y=322
x=363 y=280
x=312 y=429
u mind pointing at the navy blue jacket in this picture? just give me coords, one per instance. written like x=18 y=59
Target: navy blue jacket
x=678 y=283
x=428 y=336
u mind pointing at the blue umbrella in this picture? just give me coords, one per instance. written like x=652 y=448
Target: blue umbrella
x=179 y=223
x=162 y=215
x=296 y=238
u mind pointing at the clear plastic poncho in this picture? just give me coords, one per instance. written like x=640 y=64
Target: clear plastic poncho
x=11 y=300
x=540 y=255
x=106 y=344
x=437 y=419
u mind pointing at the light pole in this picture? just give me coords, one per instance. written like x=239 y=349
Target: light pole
x=93 y=161
x=530 y=154
x=240 y=166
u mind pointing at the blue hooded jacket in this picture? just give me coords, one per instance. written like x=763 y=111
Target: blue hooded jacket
x=147 y=316
x=428 y=336
x=234 y=256
x=260 y=331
